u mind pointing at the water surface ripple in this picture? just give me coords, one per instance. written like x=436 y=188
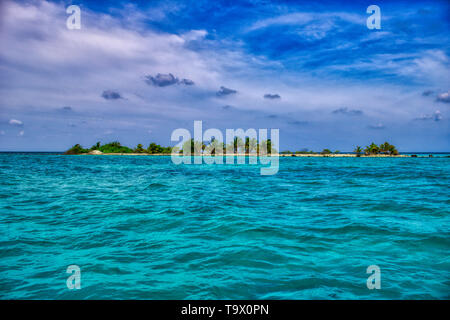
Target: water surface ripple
x=144 y=228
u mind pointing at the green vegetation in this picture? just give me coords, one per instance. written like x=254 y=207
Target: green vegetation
x=372 y=149
x=305 y=151
x=384 y=148
x=114 y=147
x=154 y=148
x=96 y=146
x=237 y=142
x=76 y=149
x=139 y=148
x=387 y=148
x=196 y=147
x=214 y=147
x=237 y=146
x=217 y=147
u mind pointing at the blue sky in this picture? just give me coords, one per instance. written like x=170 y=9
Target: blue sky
x=137 y=70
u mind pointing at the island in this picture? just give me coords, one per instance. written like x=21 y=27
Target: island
x=238 y=148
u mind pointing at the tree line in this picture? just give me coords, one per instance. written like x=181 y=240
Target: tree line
x=116 y=147
x=218 y=147
x=196 y=147
x=373 y=149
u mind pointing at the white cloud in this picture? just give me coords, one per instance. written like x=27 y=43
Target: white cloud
x=444 y=97
x=194 y=35
x=428 y=67
x=304 y=18
x=73 y=68
x=15 y=122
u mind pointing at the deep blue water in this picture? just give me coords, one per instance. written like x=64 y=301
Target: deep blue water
x=144 y=228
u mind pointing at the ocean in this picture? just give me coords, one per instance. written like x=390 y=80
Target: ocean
x=141 y=227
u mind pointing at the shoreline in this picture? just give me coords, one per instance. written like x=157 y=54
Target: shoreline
x=341 y=155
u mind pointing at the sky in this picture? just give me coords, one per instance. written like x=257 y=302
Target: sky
x=137 y=70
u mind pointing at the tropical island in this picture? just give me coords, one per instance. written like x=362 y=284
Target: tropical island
x=117 y=148
x=238 y=147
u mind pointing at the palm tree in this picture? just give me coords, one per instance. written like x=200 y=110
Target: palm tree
x=265 y=147
x=252 y=146
x=96 y=146
x=198 y=148
x=237 y=144
x=188 y=146
x=175 y=150
x=195 y=147
x=372 y=149
x=358 y=151
x=384 y=148
x=392 y=150
x=262 y=148
x=115 y=144
x=215 y=147
x=154 y=148
x=229 y=148
x=139 y=148
x=387 y=148
x=76 y=149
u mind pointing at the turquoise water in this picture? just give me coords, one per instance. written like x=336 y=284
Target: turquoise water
x=144 y=228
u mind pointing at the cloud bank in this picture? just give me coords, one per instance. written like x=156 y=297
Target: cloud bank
x=317 y=60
